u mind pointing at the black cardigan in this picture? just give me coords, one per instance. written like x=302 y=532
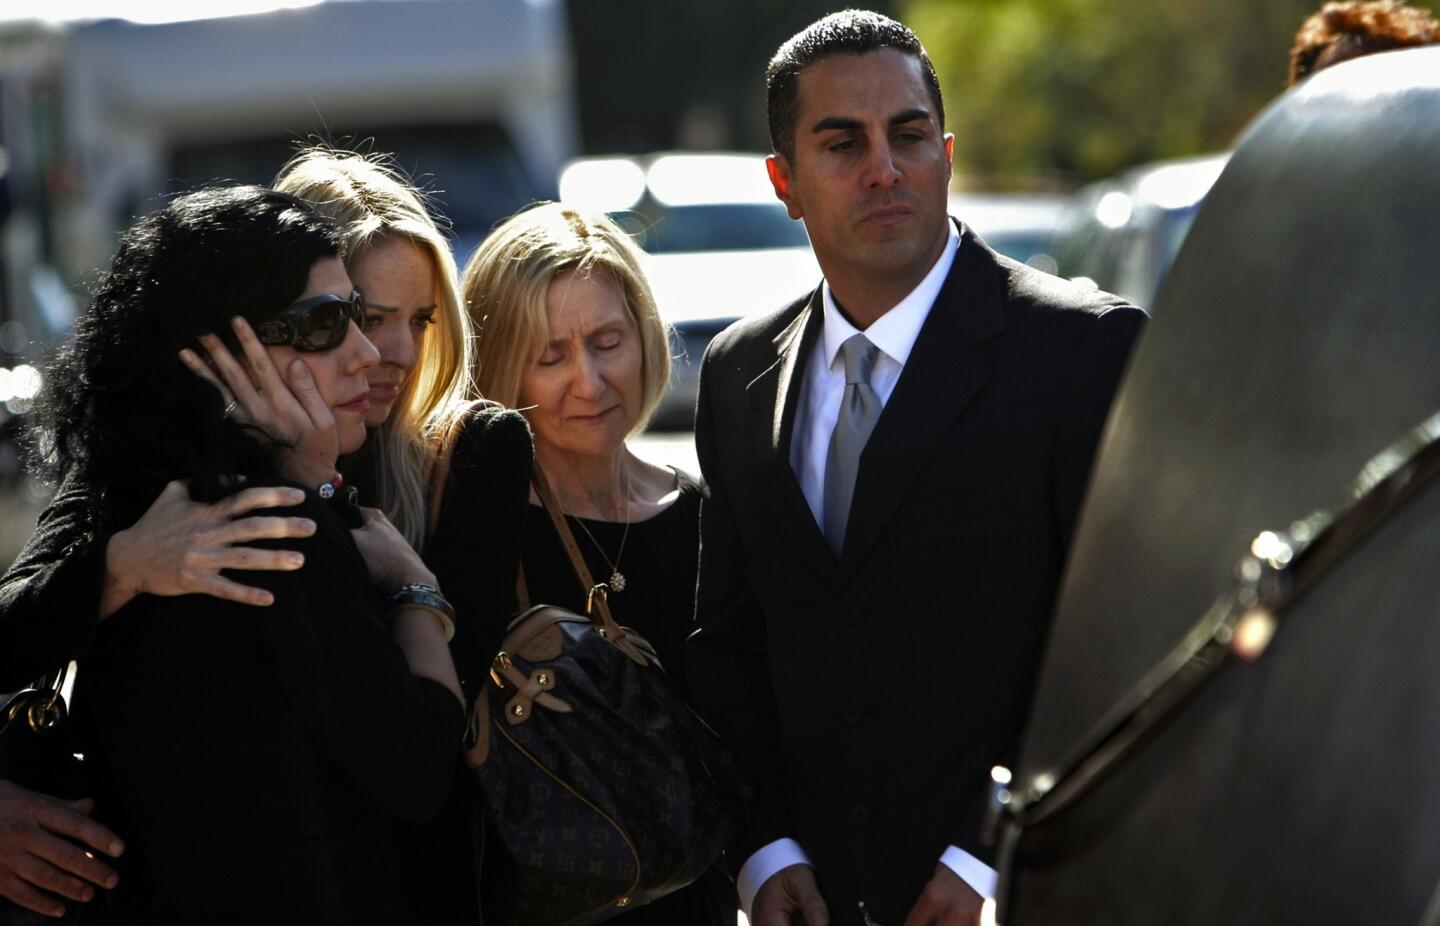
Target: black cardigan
x=49 y=598
x=474 y=550
x=254 y=757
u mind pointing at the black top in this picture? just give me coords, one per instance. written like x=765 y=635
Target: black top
x=658 y=562
x=474 y=552
x=257 y=755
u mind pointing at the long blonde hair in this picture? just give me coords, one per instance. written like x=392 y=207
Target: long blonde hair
x=506 y=282
x=371 y=201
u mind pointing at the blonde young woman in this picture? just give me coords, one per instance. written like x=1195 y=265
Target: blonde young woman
x=400 y=261
x=569 y=333
x=398 y=258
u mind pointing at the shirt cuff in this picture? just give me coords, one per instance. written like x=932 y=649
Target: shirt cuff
x=767 y=861
x=972 y=871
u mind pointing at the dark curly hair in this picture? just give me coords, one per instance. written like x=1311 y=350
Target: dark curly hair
x=118 y=409
x=1349 y=30
x=849 y=32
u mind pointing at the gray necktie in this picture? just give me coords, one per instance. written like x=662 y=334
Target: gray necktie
x=859 y=410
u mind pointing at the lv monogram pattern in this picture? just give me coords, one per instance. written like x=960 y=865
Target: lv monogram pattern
x=624 y=799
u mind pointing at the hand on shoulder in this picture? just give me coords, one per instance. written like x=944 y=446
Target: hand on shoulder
x=179 y=546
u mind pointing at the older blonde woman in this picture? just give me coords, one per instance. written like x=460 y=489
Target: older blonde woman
x=570 y=335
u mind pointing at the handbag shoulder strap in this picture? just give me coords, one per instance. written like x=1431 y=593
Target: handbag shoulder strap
x=562 y=528
x=597 y=604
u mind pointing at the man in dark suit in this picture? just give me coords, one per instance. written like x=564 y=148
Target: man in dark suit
x=887 y=516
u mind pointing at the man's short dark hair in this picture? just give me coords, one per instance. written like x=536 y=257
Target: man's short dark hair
x=850 y=32
x=1351 y=29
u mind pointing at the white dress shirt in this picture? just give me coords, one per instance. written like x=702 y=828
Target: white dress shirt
x=822 y=388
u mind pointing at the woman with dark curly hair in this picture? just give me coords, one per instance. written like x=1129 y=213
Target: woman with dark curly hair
x=70 y=578
x=301 y=729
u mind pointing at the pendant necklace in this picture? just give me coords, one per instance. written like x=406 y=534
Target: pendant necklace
x=617 y=578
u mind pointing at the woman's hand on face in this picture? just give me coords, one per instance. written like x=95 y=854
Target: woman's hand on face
x=179 y=546
x=288 y=410
x=391 y=560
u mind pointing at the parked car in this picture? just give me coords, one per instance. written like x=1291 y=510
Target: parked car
x=1019 y=225
x=1124 y=232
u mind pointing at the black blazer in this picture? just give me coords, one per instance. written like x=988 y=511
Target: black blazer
x=872 y=695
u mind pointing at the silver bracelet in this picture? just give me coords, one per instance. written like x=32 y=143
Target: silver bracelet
x=428 y=598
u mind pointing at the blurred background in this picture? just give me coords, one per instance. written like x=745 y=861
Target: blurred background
x=1087 y=132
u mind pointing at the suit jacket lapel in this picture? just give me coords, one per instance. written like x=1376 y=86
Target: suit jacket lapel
x=778 y=389
x=944 y=372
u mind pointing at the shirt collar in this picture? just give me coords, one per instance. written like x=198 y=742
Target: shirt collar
x=895 y=332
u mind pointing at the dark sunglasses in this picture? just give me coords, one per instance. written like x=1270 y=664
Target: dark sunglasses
x=312 y=325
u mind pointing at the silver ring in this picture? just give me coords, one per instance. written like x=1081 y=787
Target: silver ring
x=230 y=409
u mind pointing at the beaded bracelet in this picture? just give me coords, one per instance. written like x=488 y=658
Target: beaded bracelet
x=427 y=598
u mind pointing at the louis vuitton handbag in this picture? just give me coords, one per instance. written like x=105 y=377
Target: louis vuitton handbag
x=600 y=788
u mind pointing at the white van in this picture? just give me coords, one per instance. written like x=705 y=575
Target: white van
x=476 y=96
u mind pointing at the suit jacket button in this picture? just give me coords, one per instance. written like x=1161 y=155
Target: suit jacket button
x=859 y=815
x=850 y=616
x=853 y=715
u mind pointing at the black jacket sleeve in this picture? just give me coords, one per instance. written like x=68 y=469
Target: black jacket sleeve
x=726 y=657
x=1098 y=363
x=50 y=597
x=475 y=545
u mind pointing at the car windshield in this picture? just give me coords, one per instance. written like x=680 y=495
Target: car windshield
x=714 y=227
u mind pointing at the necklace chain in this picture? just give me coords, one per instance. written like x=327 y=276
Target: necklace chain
x=617 y=578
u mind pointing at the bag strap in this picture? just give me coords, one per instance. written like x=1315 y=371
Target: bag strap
x=597 y=594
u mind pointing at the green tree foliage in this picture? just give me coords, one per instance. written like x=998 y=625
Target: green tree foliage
x=1085 y=87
